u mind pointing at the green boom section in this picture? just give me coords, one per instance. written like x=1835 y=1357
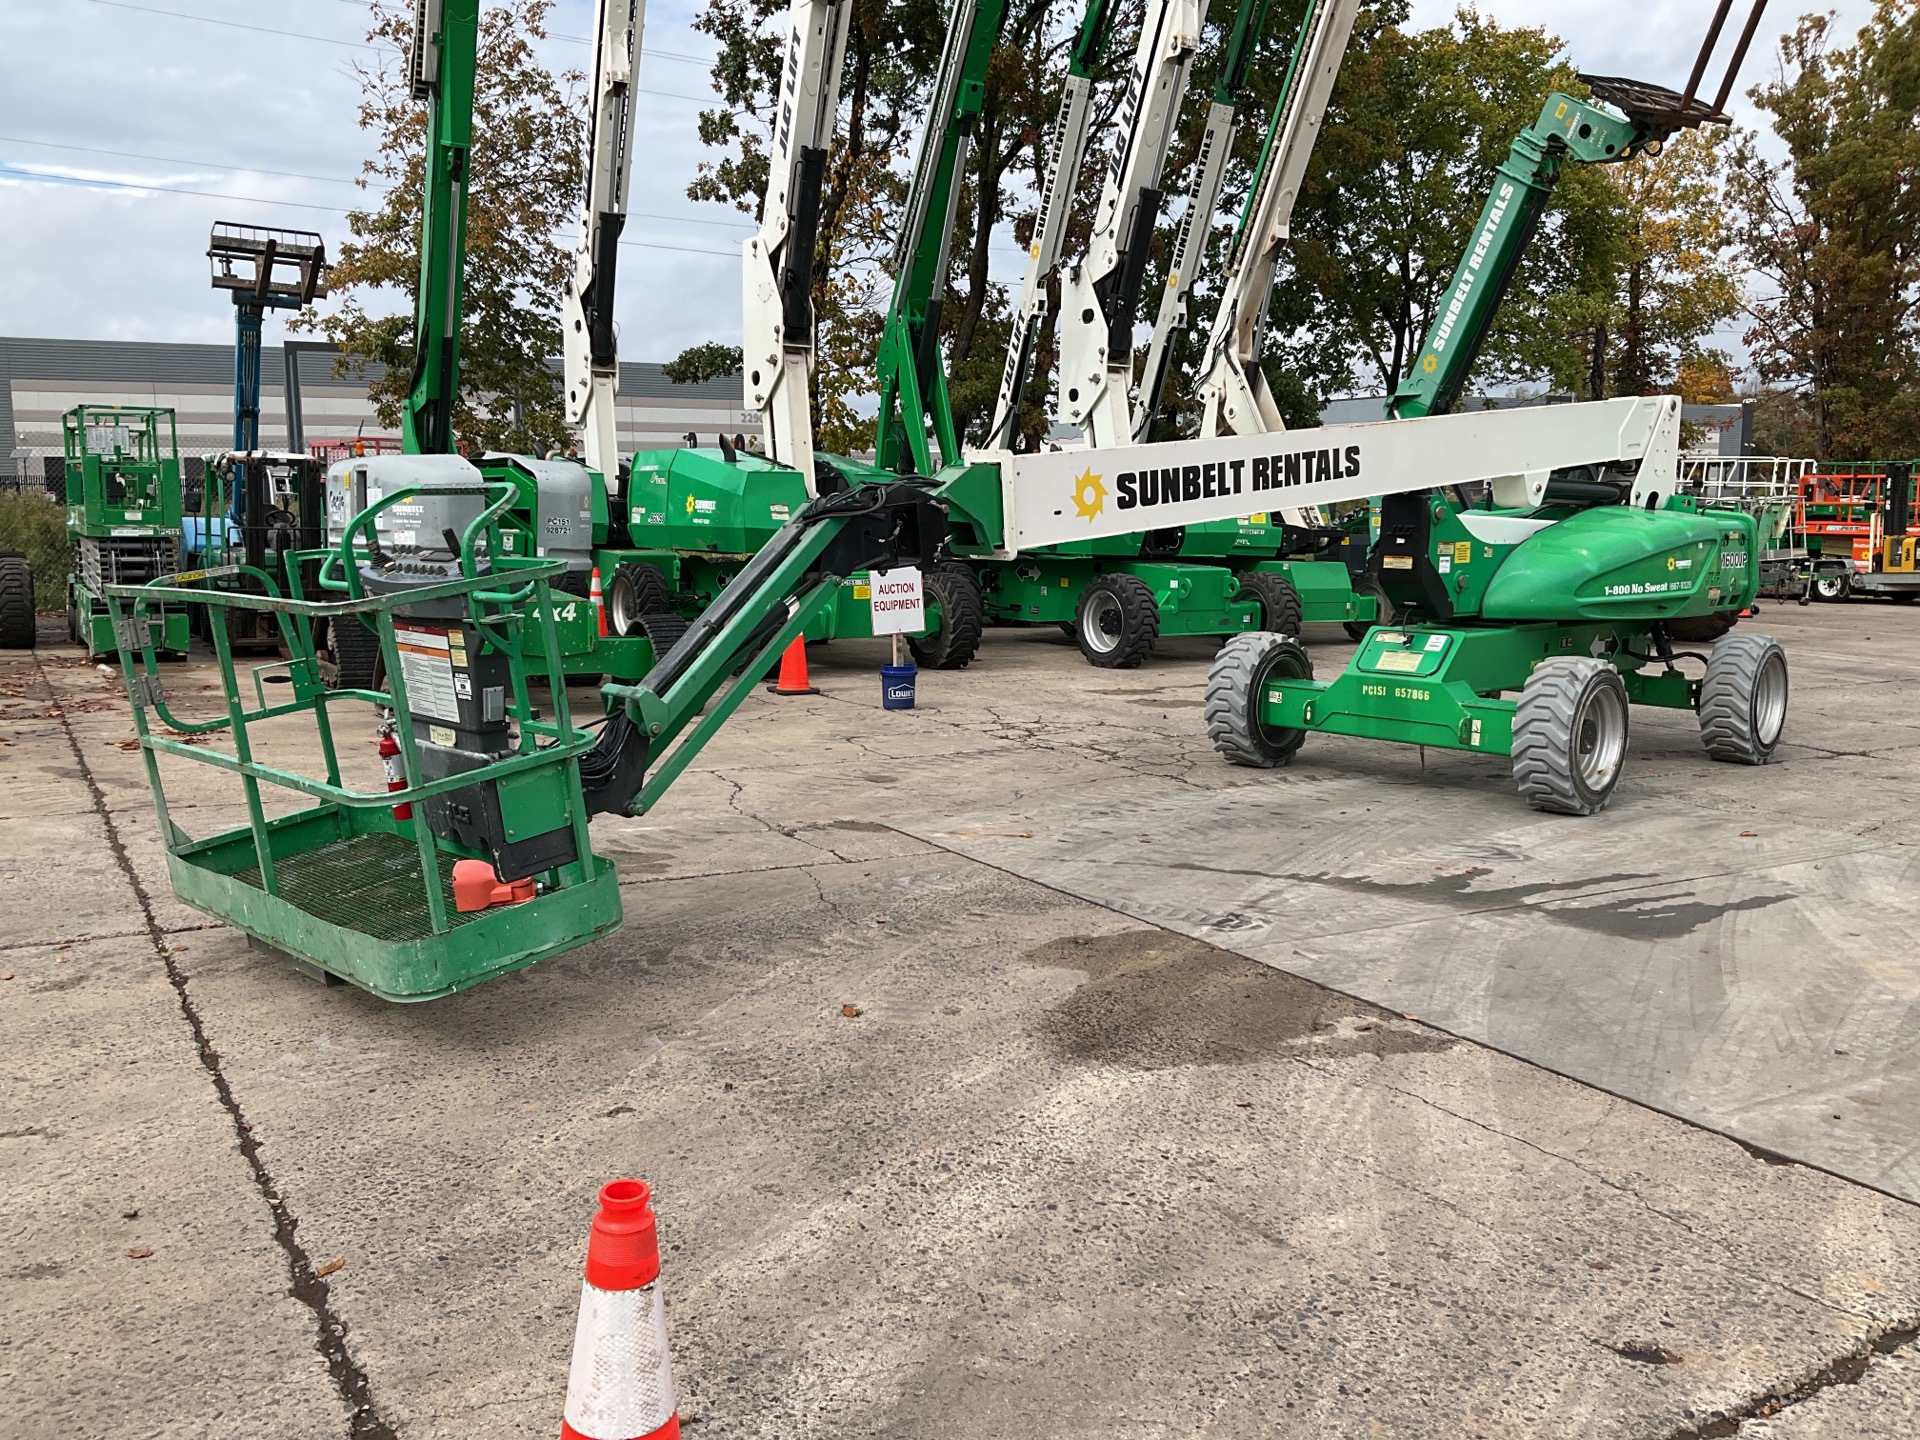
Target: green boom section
x=915 y=413
x=1567 y=129
x=444 y=61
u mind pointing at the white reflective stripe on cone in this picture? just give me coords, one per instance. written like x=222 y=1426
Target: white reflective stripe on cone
x=621 y=1384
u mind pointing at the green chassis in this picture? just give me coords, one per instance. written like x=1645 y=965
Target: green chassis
x=1431 y=685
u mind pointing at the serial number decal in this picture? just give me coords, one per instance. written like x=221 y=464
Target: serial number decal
x=1733 y=560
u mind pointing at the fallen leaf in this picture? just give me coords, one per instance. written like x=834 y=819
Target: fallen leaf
x=129 y=1214
x=7 y=976
x=339 y=1262
x=1599 y=1264
x=1408 y=1015
x=852 y=1012
x=1244 y=1104
x=139 y=1252
x=1749 y=834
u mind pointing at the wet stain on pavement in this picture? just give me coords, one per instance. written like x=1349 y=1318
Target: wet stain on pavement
x=1153 y=1000
x=1629 y=917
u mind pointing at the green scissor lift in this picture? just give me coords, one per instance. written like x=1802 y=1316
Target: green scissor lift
x=123 y=517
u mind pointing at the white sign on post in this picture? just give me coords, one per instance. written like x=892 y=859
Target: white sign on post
x=899 y=602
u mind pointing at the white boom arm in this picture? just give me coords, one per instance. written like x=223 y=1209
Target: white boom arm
x=1069 y=149
x=1189 y=243
x=1062 y=496
x=1101 y=293
x=590 y=351
x=1233 y=391
x=777 y=279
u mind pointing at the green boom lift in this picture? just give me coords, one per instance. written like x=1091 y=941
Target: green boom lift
x=1568 y=588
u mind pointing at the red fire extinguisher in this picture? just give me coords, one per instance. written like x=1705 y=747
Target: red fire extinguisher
x=396 y=772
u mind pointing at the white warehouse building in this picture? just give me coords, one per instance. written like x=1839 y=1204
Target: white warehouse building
x=40 y=380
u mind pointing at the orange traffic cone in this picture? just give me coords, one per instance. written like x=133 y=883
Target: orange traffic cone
x=793 y=670
x=621 y=1384
x=599 y=599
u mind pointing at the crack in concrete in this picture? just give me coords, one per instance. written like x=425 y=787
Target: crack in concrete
x=349 y=1379
x=1847 y=1369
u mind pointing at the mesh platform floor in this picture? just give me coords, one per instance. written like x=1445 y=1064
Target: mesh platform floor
x=368 y=883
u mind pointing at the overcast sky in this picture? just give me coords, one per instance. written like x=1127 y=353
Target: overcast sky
x=127 y=127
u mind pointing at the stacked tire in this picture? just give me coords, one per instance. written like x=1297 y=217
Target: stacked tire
x=16 y=601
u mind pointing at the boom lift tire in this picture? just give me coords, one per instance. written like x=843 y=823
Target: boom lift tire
x=16 y=602
x=356 y=653
x=1279 y=601
x=1570 y=735
x=1743 y=700
x=1235 y=686
x=1703 y=629
x=1832 y=585
x=76 y=633
x=1117 y=622
x=953 y=646
x=1356 y=629
x=636 y=590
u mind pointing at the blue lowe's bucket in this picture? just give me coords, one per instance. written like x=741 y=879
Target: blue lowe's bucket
x=896 y=686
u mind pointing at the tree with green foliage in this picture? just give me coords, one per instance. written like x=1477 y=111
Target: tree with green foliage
x=525 y=179
x=1834 y=232
x=1415 y=129
x=699 y=363
x=1674 y=284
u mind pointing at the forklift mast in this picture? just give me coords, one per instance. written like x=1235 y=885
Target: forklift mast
x=1068 y=150
x=913 y=380
x=1101 y=295
x=1233 y=391
x=1196 y=223
x=777 y=350
x=446 y=38
x=262 y=268
x=591 y=352
x=1626 y=118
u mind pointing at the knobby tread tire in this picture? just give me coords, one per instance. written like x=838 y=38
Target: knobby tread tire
x=1139 y=621
x=650 y=595
x=1241 y=669
x=1728 y=725
x=962 y=619
x=1543 y=734
x=1279 y=601
x=16 y=603
x=664 y=630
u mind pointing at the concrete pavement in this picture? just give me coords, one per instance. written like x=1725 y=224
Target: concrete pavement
x=1065 y=1173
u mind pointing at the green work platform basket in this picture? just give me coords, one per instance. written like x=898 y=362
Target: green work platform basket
x=343 y=886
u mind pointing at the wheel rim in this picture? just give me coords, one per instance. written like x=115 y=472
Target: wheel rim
x=620 y=616
x=1282 y=667
x=1770 y=700
x=1599 y=739
x=1104 y=623
x=1827 y=587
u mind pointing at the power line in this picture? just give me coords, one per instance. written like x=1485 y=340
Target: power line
x=362 y=45
x=302 y=175
x=87 y=182
x=234 y=24
x=176 y=160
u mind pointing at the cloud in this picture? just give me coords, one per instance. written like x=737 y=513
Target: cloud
x=220 y=107
x=214 y=108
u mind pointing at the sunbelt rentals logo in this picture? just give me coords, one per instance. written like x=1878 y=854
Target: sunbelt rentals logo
x=1089 y=496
